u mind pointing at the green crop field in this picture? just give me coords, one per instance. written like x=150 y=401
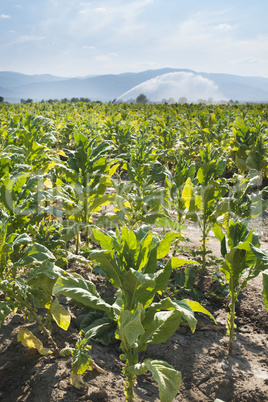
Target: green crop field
x=114 y=187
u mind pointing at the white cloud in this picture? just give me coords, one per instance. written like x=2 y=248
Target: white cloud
x=30 y=38
x=4 y=16
x=204 y=43
x=89 y=47
x=120 y=19
x=247 y=60
x=197 y=31
x=214 y=36
x=106 y=57
x=224 y=27
x=103 y=58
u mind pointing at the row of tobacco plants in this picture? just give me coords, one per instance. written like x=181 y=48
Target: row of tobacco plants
x=113 y=186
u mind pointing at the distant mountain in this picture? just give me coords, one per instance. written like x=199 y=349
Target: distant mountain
x=15 y=86
x=10 y=79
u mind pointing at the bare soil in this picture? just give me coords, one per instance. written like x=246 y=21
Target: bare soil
x=208 y=371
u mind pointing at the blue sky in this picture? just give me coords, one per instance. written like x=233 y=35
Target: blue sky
x=90 y=37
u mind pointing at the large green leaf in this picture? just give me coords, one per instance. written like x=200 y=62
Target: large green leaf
x=180 y=306
x=108 y=264
x=151 y=263
x=167 y=378
x=36 y=253
x=165 y=244
x=146 y=244
x=262 y=255
x=203 y=173
x=221 y=237
x=105 y=239
x=234 y=265
x=130 y=328
x=101 y=330
x=41 y=281
x=81 y=290
x=137 y=288
x=97 y=203
x=237 y=232
x=129 y=247
x=159 y=326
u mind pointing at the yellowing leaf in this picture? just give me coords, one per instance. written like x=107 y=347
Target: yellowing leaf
x=113 y=169
x=59 y=182
x=195 y=306
x=48 y=183
x=51 y=165
x=127 y=204
x=198 y=201
x=76 y=380
x=62 y=153
x=28 y=339
x=187 y=193
x=179 y=262
x=60 y=315
x=124 y=166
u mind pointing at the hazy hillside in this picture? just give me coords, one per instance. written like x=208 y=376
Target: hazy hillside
x=15 y=86
x=10 y=79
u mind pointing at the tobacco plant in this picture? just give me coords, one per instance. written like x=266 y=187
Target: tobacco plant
x=179 y=192
x=141 y=199
x=28 y=275
x=243 y=261
x=244 y=199
x=130 y=260
x=83 y=185
x=207 y=194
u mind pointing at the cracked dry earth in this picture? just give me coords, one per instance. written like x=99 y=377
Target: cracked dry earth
x=208 y=372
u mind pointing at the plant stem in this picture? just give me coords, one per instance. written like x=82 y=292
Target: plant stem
x=26 y=306
x=203 y=246
x=130 y=378
x=176 y=245
x=77 y=243
x=231 y=323
x=231 y=316
x=129 y=385
x=43 y=328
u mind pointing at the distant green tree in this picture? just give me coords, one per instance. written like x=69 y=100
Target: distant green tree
x=1 y=99
x=26 y=101
x=84 y=100
x=141 y=99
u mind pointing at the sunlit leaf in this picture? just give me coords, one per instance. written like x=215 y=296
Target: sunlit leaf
x=27 y=338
